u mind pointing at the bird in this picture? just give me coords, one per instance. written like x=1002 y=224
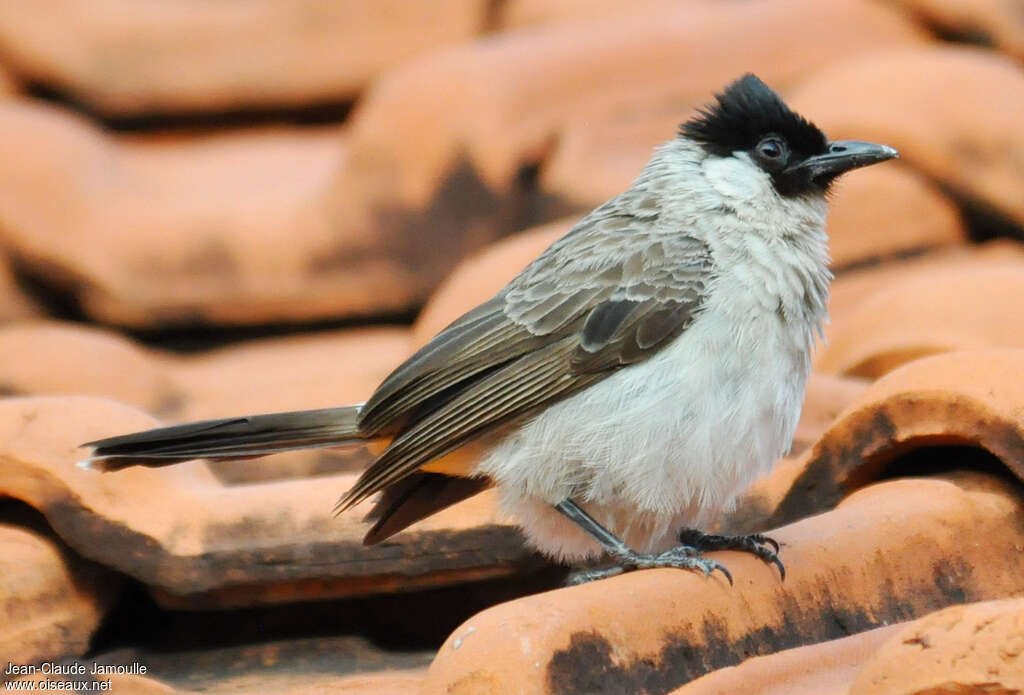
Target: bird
x=629 y=384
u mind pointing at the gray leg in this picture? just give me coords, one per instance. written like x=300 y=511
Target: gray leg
x=681 y=557
x=756 y=544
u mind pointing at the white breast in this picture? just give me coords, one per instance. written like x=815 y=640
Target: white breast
x=666 y=443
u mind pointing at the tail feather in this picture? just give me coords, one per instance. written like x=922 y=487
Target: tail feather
x=239 y=437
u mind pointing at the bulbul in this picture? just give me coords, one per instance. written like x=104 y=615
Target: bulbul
x=627 y=385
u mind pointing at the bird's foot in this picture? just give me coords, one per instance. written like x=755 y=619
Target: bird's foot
x=681 y=557
x=756 y=544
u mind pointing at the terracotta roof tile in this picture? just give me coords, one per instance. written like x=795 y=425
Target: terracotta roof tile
x=883 y=212
x=8 y=85
x=971 y=398
x=826 y=668
x=973 y=647
x=51 y=601
x=222 y=228
x=302 y=666
x=826 y=397
x=594 y=160
x=514 y=14
x=480 y=276
x=49 y=357
x=476 y=119
x=978 y=647
x=131 y=58
x=888 y=553
x=267 y=375
x=986 y=22
x=316 y=370
x=490 y=107
x=929 y=312
x=857 y=285
x=210 y=545
x=14 y=302
x=971 y=144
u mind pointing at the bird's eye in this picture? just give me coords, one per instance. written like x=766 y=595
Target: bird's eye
x=772 y=151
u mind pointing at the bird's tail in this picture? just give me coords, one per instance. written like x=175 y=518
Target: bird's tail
x=229 y=438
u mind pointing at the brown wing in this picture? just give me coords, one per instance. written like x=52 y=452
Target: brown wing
x=611 y=292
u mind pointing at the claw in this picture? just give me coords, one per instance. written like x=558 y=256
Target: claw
x=724 y=570
x=758 y=544
x=767 y=540
x=782 y=568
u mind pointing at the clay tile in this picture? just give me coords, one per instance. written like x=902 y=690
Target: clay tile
x=14 y=303
x=855 y=285
x=971 y=398
x=482 y=110
x=886 y=211
x=889 y=553
x=289 y=373
x=522 y=13
x=827 y=668
x=142 y=685
x=292 y=373
x=311 y=665
x=50 y=601
x=48 y=357
x=984 y=22
x=227 y=228
x=8 y=85
x=934 y=311
x=970 y=142
x=235 y=228
x=479 y=277
x=595 y=160
x=978 y=647
x=186 y=57
x=209 y=545
x=826 y=396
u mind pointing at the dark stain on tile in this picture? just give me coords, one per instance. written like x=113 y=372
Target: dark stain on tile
x=819 y=613
x=983 y=220
x=8 y=389
x=825 y=479
x=240 y=558
x=463 y=216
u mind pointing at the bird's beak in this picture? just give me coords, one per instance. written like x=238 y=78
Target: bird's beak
x=842 y=156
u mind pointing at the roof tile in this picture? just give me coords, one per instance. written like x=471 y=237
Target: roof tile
x=986 y=22
x=973 y=398
x=971 y=144
x=932 y=311
x=134 y=58
x=856 y=285
x=978 y=647
x=50 y=357
x=51 y=601
x=890 y=552
x=888 y=211
x=498 y=104
x=826 y=668
x=207 y=545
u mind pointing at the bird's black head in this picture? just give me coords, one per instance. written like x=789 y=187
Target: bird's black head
x=750 y=117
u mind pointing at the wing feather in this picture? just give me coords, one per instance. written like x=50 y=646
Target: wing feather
x=611 y=292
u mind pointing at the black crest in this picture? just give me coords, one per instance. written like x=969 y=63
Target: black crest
x=746 y=112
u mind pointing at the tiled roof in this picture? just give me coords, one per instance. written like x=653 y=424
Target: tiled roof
x=212 y=209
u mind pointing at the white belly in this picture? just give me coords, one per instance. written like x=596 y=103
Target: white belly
x=666 y=443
